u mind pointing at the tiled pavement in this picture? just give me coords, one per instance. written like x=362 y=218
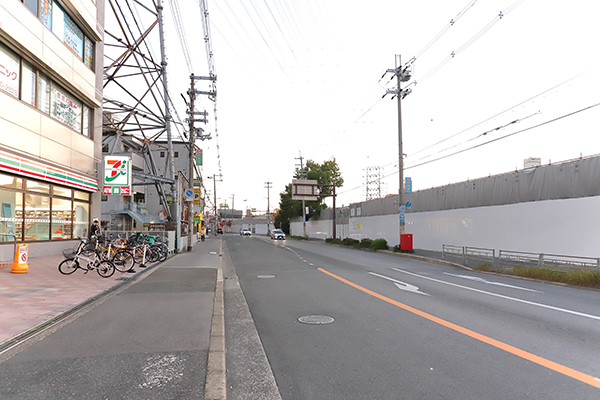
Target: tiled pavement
x=42 y=293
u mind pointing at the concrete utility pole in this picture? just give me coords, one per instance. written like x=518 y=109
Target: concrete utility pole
x=268 y=187
x=214 y=178
x=192 y=156
x=402 y=75
x=303 y=203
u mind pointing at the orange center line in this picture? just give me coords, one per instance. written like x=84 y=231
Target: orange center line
x=580 y=376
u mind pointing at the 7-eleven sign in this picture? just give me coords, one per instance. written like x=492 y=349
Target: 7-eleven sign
x=117 y=175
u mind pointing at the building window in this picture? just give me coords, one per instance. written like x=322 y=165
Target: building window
x=176 y=154
x=65 y=108
x=27 y=83
x=32 y=5
x=43 y=94
x=162 y=154
x=19 y=78
x=9 y=71
x=54 y=16
x=40 y=211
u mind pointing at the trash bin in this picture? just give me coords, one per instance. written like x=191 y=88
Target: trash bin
x=406 y=241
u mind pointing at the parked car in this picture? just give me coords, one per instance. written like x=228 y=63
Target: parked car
x=277 y=234
x=246 y=232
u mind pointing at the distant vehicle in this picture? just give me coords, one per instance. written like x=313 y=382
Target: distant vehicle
x=277 y=234
x=220 y=231
x=246 y=232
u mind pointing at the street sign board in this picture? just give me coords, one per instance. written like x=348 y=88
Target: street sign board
x=305 y=190
x=117 y=176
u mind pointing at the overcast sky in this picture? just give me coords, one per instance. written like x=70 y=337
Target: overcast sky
x=303 y=78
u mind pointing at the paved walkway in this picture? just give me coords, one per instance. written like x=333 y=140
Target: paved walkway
x=30 y=299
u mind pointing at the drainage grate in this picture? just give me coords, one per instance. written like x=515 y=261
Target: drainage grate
x=316 y=319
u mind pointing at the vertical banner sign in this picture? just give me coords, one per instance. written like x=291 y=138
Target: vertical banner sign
x=408 y=185
x=199 y=157
x=117 y=175
x=402 y=213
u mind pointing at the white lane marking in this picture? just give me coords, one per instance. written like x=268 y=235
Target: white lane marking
x=401 y=285
x=504 y=297
x=160 y=370
x=477 y=279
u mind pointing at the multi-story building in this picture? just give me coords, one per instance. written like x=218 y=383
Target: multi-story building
x=50 y=121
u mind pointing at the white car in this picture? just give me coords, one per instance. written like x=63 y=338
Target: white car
x=277 y=234
x=246 y=232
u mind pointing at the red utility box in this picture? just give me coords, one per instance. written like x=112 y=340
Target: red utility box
x=406 y=241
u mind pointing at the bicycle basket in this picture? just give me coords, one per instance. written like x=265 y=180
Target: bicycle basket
x=68 y=253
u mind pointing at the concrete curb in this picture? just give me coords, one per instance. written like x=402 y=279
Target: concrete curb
x=216 y=371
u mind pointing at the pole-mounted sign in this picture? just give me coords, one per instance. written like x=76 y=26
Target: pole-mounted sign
x=117 y=175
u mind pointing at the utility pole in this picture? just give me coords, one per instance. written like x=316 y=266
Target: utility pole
x=214 y=178
x=303 y=176
x=402 y=74
x=268 y=187
x=192 y=147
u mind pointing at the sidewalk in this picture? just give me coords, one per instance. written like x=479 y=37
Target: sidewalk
x=43 y=293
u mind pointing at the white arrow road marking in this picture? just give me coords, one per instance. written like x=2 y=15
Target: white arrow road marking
x=503 y=297
x=401 y=285
x=477 y=279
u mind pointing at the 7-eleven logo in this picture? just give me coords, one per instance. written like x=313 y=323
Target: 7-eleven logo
x=116 y=171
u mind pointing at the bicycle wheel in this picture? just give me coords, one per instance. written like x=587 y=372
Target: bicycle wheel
x=106 y=268
x=68 y=266
x=163 y=250
x=138 y=254
x=123 y=260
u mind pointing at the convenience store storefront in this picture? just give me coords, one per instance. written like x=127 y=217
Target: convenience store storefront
x=39 y=202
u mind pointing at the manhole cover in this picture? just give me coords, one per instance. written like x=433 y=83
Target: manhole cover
x=316 y=319
x=265 y=276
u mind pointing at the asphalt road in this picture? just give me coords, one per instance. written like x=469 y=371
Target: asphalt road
x=405 y=329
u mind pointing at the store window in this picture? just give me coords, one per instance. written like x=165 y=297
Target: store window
x=60 y=191
x=62 y=218
x=82 y=195
x=11 y=215
x=37 y=217
x=7 y=181
x=81 y=218
x=30 y=212
x=38 y=186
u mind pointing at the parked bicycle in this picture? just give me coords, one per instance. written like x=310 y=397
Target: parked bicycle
x=86 y=259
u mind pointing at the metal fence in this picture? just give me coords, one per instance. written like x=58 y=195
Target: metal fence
x=474 y=256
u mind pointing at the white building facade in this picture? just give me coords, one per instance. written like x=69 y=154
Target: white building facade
x=50 y=121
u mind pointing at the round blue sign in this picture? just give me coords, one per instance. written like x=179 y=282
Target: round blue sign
x=408 y=204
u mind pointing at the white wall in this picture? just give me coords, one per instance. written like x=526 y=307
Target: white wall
x=564 y=227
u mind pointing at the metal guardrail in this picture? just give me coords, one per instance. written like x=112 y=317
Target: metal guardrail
x=541 y=260
x=518 y=257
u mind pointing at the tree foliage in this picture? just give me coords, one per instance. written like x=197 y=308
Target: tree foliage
x=327 y=173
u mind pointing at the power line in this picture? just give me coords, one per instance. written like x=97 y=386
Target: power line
x=506 y=136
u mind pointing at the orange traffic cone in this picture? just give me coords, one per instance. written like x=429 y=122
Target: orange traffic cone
x=20 y=264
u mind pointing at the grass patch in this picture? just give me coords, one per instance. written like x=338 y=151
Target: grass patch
x=581 y=277
x=488 y=267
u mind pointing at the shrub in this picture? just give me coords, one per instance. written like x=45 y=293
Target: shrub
x=379 y=244
x=366 y=243
x=350 y=242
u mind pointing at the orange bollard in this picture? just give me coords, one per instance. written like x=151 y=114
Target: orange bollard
x=20 y=264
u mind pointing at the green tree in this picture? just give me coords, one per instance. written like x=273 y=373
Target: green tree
x=327 y=173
